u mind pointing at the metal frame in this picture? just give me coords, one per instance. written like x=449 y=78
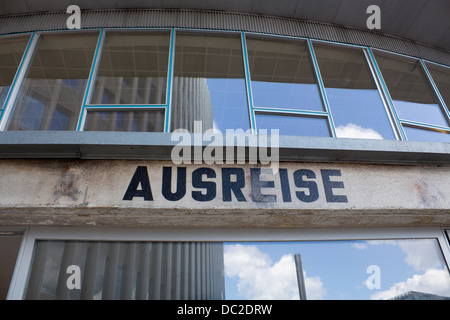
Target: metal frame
x=396 y=123
x=408 y=123
x=18 y=79
x=88 y=106
x=32 y=234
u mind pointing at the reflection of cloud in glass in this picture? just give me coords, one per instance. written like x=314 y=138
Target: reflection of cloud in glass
x=351 y=130
x=422 y=255
x=259 y=278
x=429 y=282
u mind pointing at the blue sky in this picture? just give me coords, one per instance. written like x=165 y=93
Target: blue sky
x=334 y=270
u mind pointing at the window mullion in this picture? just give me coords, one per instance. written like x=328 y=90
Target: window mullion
x=248 y=85
x=322 y=89
x=386 y=95
x=92 y=76
x=18 y=79
x=436 y=91
x=169 y=94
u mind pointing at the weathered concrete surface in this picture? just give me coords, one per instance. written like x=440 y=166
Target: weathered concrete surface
x=91 y=193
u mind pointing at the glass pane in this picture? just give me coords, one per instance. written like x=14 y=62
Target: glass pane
x=9 y=250
x=424 y=135
x=209 y=83
x=282 y=75
x=53 y=89
x=293 y=125
x=126 y=270
x=337 y=270
x=356 y=105
x=11 y=52
x=410 y=89
x=133 y=69
x=441 y=77
x=137 y=121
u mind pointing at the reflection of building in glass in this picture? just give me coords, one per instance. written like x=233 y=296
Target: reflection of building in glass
x=191 y=102
x=56 y=107
x=129 y=90
x=413 y=295
x=128 y=270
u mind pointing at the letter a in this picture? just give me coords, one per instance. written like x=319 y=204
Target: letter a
x=74 y=280
x=140 y=177
x=374 y=21
x=374 y=281
x=74 y=21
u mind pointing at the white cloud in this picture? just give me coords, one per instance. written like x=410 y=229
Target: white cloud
x=354 y=131
x=429 y=282
x=259 y=278
x=359 y=245
x=422 y=254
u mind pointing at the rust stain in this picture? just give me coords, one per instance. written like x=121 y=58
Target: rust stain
x=66 y=186
x=429 y=195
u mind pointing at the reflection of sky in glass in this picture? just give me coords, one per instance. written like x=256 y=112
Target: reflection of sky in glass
x=229 y=103
x=209 y=83
x=359 y=108
x=282 y=75
x=354 y=100
x=415 y=134
x=3 y=93
x=441 y=77
x=425 y=113
x=334 y=270
x=293 y=125
x=410 y=89
x=299 y=96
x=32 y=113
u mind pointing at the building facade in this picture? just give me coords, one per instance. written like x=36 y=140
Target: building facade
x=188 y=151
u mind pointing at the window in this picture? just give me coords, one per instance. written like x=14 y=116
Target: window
x=133 y=120
x=209 y=83
x=441 y=77
x=282 y=75
x=11 y=52
x=422 y=134
x=161 y=80
x=293 y=125
x=413 y=96
x=405 y=268
x=127 y=270
x=355 y=102
x=53 y=89
x=9 y=248
x=285 y=92
x=132 y=68
x=337 y=270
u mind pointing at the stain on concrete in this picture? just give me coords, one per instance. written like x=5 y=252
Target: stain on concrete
x=430 y=195
x=67 y=186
